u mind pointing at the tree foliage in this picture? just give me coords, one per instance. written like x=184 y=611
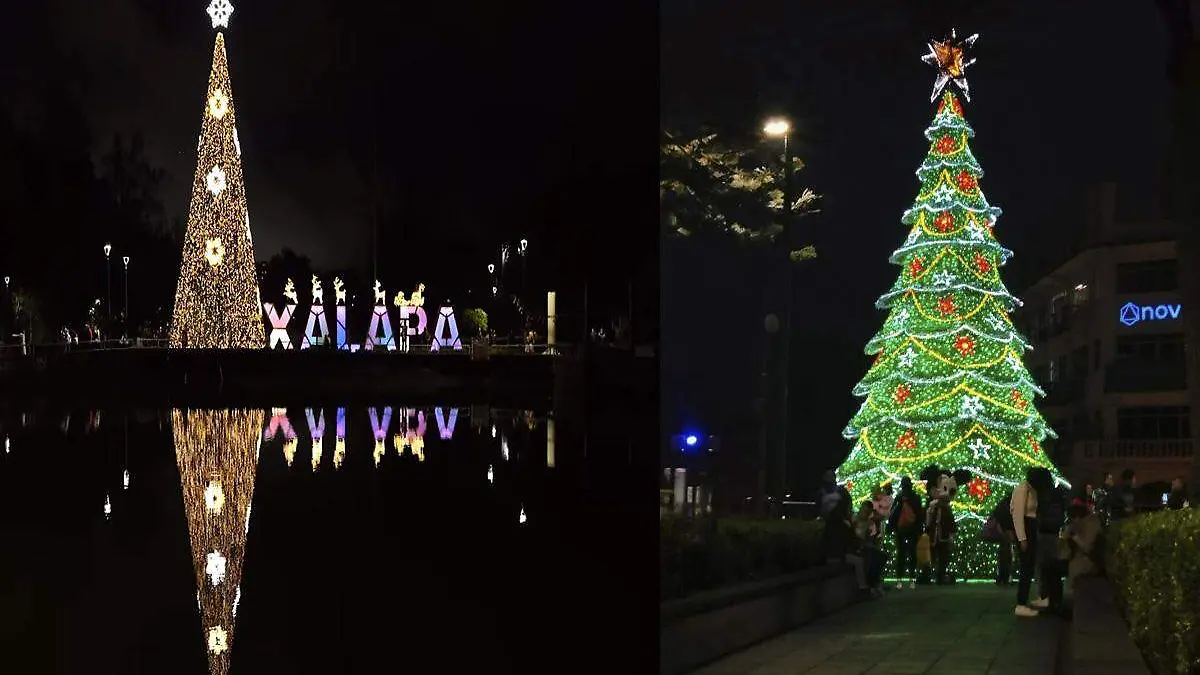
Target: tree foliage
x=706 y=184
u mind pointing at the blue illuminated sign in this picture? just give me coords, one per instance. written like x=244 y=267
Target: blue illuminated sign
x=1132 y=313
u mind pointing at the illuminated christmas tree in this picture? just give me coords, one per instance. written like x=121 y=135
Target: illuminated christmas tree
x=217 y=302
x=217 y=455
x=948 y=386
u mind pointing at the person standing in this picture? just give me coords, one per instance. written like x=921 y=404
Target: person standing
x=1085 y=535
x=1121 y=499
x=1177 y=499
x=1051 y=516
x=904 y=523
x=1023 y=507
x=1002 y=515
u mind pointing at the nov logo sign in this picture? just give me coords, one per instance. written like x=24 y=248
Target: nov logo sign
x=1132 y=313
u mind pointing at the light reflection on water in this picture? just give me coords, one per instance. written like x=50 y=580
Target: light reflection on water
x=222 y=457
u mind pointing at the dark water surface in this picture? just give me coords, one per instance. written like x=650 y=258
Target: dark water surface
x=410 y=540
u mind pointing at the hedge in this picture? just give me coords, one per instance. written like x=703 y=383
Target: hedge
x=694 y=556
x=1154 y=563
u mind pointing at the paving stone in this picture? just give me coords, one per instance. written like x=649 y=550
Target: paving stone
x=964 y=630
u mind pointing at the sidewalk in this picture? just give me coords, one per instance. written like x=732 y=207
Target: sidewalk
x=965 y=629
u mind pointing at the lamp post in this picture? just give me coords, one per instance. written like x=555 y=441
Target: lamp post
x=781 y=128
x=522 y=246
x=108 y=279
x=126 y=261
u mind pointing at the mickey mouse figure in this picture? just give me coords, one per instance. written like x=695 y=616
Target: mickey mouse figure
x=940 y=486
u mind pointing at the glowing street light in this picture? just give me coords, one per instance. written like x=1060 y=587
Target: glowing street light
x=491 y=268
x=777 y=126
x=108 y=278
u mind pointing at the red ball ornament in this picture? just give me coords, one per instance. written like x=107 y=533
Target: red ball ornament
x=966 y=182
x=1018 y=399
x=1037 y=447
x=907 y=440
x=982 y=263
x=964 y=344
x=946 y=145
x=946 y=305
x=915 y=266
x=902 y=393
x=979 y=488
x=944 y=221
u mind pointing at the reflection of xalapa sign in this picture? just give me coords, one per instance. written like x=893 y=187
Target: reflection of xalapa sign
x=412 y=320
x=1132 y=313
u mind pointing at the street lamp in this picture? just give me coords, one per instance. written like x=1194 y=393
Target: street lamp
x=108 y=278
x=126 y=261
x=780 y=128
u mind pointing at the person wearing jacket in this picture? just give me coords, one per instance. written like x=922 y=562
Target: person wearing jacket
x=1023 y=506
x=904 y=523
x=840 y=543
x=1085 y=534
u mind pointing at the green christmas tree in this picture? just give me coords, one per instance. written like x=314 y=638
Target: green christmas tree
x=217 y=302
x=948 y=387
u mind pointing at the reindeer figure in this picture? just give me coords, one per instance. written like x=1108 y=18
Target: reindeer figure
x=380 y=294
x=318 y=295
x=339 y=291
x=417 y=299
x=289 y=292
x=400 y=301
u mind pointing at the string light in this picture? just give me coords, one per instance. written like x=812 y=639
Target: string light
x=215 y=451
x=216 y=300
x=948 y=386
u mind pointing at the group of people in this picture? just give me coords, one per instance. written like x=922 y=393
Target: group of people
x=1056 y=535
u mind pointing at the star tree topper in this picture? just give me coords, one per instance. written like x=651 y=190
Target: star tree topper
x=219 y=11
x=947 y=57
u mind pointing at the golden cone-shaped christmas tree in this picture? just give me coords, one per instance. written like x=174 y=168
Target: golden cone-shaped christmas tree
x=217 y=455
x=217 y=300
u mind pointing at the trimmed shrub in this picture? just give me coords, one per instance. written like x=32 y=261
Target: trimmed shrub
x=1154 y=563
x=694 y=556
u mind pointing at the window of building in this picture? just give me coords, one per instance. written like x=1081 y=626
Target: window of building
x=1148 y=276
x=1079 y=363
x=1164 y=348
x=1153 y=422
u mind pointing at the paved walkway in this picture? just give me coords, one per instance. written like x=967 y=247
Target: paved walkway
x=966 y=629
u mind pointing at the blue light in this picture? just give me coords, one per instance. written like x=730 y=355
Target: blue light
x=690 y=440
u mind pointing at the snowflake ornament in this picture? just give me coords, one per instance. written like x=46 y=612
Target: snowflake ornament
x=214 y=497
x=995 y=322
x=215 y=568
x=907 y=358
x=971 y=406
x=976 y=232
x=218 y=640
x=902 y=315
x=979 y=448
x=943 y=279
x=215 y=181
x=219 y=11
x=218 y=105
x=214 y=251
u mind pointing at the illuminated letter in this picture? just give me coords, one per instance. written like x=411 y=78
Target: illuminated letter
x=445 y=428
x=445 y=317
x=380 y=430
x=279 y=422
x=316 y=429
x=380 y=316
x=339 y=447
x=316 y=319
x=340 y=318
x=279 y=325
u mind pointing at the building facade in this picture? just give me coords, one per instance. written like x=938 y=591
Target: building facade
x=1109 y=336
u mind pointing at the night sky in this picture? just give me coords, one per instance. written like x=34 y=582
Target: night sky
x=1062 y=98
x=453 y=128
